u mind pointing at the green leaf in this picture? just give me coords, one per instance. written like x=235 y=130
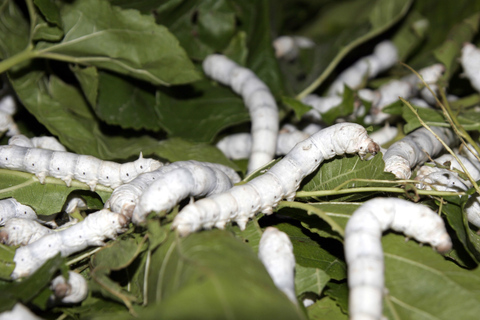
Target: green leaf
x=310 y=280
x=50 y=11
x=237 y=48
x=6 y=261
x=338 y=170
x=325 y=308
x=45 y=199
x=202 y=27
x=338 y=291
x=126 y=102
x=64 y=111
x=30 y=287
x=297 y=106
x=226 y=272
x=176 y=149
x=14 y=30
x=430 y=116
x=48 y=24
x=422 y=284
x=411 y=34
x=345 y=108
x=119 y=254
x=310 y=251
x=459 y=223
x=450 y=50
x=254 y=20
x=105 y=36
x=347 y=25
x=199 y=112
x=88 y=80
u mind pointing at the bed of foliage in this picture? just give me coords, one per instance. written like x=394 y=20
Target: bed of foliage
x=113 y=78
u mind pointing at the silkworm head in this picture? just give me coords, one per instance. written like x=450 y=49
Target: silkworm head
x=146 y=165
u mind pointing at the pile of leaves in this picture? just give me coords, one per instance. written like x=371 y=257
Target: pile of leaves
x=115 y=78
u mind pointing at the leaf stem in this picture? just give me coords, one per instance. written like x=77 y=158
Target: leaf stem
x=24 y=55
x=323 y=193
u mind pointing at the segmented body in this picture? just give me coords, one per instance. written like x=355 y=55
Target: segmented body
x=11 y=208
x=192 y=179
x=68 y=166
x=276 y=253
x=22 y=232
x=93 y=231
x=263 y=193
x=73 y=290
x=363 y=248
x=124 y=198
x=414 y=149
x=259 y=101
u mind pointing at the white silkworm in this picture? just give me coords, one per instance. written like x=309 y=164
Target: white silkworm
x=430 y=75
x=259 y=101
x=49 y=143
x=19 y=312
x=384 y=135
x=414 y=149
x=470 y=60
x=124 y=198
x=263 y=193
x=74 y=290
x=363 y=248
x=276 y=253
x=190 y=180
x=8 y=105
x=238 y=146
x=7 y=110
x=384 y=56
x=320 y=105
x=68 y=166
x=11 y=208
x=446 y=180
x=22 y=232
x=93 y=231
x=287 y=47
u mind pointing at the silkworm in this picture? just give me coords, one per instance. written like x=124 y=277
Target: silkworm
x=259 y=101
x=190 y=180
x=287 y=47
x=447 y=180
x=470 y=60
x=281 y=181
x=363 y=248
x=49 y=143
x=11 y=208
x=430 y=75
x=384 y=135
x=7 y=110
x=68 y=166
x=73 y=290
x=384 y=56
x=124 y=198
x=93 y=231
x=22 y=232
x=239 y=145
x=320 y=105
x=414 y=149
x=19 y=312
x=276 y=253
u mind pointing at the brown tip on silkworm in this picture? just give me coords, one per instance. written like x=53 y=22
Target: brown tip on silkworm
x=444 y=247
x=4 y=237
x=127 y=210
x=373 y=147
x=62 y=290
x=123 y=220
